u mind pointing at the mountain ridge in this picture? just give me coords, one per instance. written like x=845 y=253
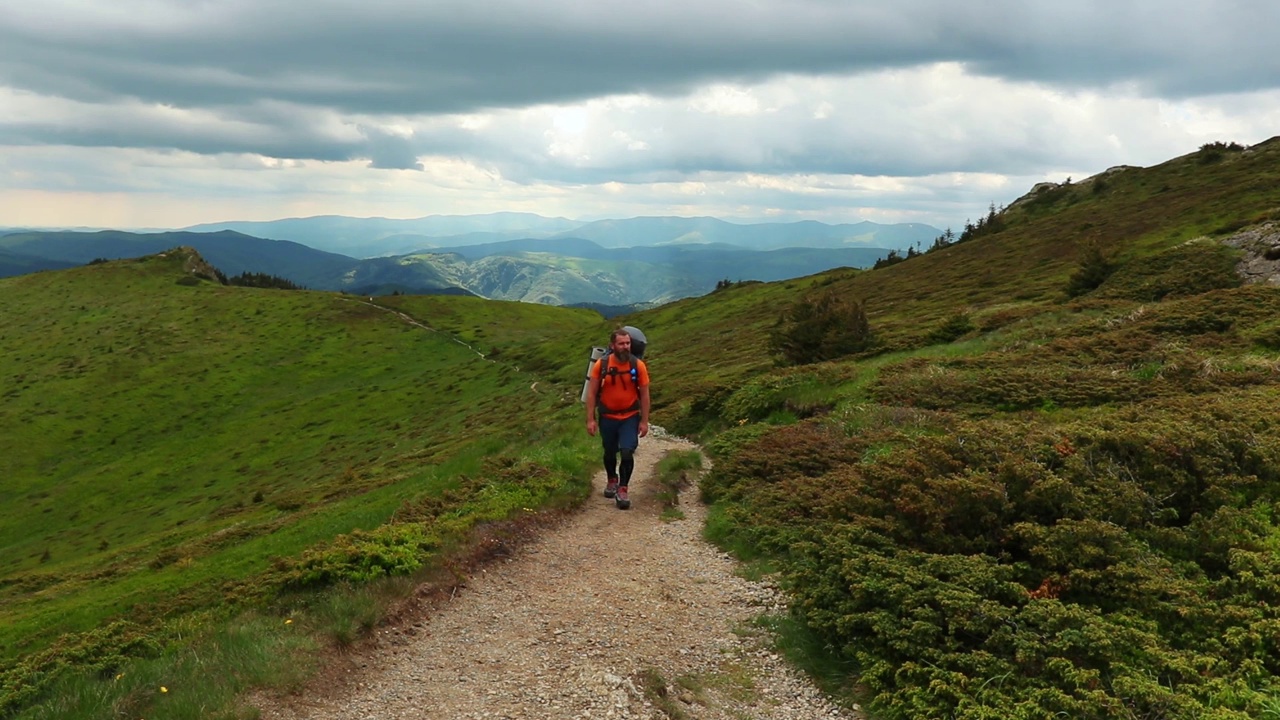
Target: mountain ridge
x=368 y=237
x=563 y=270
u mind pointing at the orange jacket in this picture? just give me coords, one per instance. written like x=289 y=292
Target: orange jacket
x=619 y=397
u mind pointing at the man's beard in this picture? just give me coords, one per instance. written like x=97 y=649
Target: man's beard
x=624 y=355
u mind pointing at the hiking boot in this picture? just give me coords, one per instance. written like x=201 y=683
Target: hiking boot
x=611 y=487
x=624 y=503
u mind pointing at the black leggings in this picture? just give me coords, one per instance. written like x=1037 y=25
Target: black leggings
x=623 y=473
x=620 y=437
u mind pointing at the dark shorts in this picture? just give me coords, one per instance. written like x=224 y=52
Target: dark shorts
x=618 y=434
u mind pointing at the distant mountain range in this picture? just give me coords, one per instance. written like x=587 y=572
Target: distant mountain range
x=608 y=263
x=231 y=252
x=371 y=237
x=20 y=264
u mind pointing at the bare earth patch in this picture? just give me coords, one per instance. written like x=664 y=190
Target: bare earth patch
x=574 y=624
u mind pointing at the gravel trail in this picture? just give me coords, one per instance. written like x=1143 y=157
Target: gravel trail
x=574 y=623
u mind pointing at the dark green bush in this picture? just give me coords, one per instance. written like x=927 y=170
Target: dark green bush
x=1093 y=270
x=821 y=327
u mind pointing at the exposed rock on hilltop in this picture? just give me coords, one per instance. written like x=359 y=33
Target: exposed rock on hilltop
x=1040 y=189
x=1260 y=262
x=192 y=262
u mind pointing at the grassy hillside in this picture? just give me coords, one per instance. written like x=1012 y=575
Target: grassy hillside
x=1139 y=217
x=174 y=449
x=1017 y=503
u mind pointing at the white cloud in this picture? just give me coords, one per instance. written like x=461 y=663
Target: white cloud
x=725 y=100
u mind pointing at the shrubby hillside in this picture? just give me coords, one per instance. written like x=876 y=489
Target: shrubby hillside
x=1048 y=483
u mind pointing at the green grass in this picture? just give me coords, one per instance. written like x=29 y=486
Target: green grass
x=203 y=677
x=170 y=448
x=813 y=655
x=676 y=471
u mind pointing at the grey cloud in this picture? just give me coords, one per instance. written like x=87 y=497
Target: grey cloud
x=390 y=152
x=268 y=142
x=456 y=57
x=323 y=79
x=891 y=137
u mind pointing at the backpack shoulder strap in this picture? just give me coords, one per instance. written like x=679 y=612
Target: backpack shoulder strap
x=604 y=370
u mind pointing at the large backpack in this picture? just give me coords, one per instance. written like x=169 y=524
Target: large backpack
x=601 y=355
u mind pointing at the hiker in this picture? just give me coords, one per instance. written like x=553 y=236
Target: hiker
x=622 y=392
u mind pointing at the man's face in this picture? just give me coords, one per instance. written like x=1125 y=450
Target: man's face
x=622 y=346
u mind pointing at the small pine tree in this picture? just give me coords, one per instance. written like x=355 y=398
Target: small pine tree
x=944 y=240
x=1094 y=269
x=822 y=327
x=893 y=258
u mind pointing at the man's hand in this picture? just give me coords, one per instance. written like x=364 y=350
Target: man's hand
x=591 y=427
x=644 y=428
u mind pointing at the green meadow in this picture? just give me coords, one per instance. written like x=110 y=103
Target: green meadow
x=171 y=449
x=1047 y=485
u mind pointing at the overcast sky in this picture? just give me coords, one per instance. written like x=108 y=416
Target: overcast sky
x=166 y=113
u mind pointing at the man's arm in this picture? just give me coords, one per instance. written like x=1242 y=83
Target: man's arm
x=593 y=385
x=644 y=411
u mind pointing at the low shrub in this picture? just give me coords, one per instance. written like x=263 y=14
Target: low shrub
x=100 y=651
x=1115 y=565
x=362 y=556
x=953 y=328
x=1188 y=269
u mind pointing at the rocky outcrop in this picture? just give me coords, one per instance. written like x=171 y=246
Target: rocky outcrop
x=193 y=263
x=1041 y=188
x=1260 y=253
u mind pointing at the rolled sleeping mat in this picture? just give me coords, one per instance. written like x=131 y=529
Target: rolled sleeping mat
x=596 y=354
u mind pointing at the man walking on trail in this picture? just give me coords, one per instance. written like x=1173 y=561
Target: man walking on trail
x=620 y=386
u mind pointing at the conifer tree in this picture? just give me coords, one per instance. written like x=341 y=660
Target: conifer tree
x=1094 y=269
x=822 y=327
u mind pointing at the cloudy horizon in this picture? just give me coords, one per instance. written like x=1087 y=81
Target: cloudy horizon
x=164 y=113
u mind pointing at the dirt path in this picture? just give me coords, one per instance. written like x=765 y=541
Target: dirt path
x=574 y=624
